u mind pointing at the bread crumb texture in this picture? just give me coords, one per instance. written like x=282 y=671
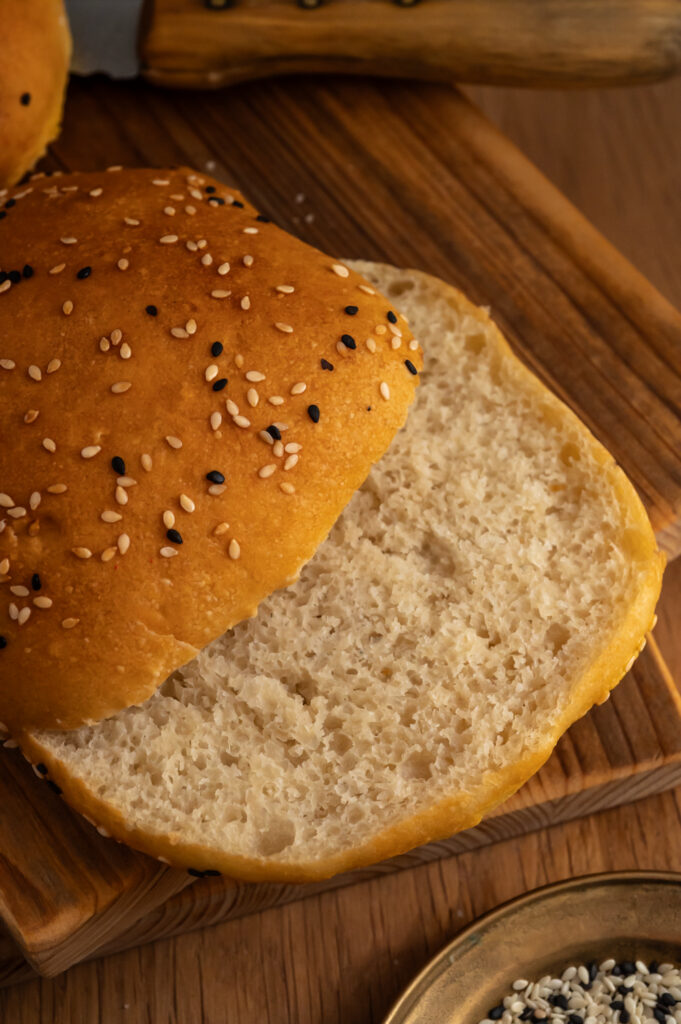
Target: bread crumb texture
x=487 y=583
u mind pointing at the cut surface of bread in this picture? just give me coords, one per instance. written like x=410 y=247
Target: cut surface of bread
x=491 y=580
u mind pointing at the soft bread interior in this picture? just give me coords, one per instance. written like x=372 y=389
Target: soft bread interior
x=461 y=613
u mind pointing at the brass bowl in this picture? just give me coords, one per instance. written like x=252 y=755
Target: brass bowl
x=632 y=915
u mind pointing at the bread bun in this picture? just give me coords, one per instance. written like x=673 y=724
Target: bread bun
x=188 y=398
x=492 y=579
x=36 y=51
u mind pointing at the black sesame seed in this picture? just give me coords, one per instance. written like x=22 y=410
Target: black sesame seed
x=3 y=643
x=25 y=99
x=659 y=1015
x=152 y=310
x=220 y=384
x=326 y=365
x=348 y=341
x=617 y=1004
x=617 y=971
x=118 y=465
x=83 y=273
x=592 y=968
x=175 y=536
x=210 y=189
x=216 y=348
x=216 y=201
x=313 y=413
x=391 y=316
x=628 y=967
x=27 y=271
x=36 y=582
x=54 y=787
x=667 y=999
x=3 y=276
x=496 y=1012
x=351 y=310
x=624 y=1017
x=274 y=432
x=574 y=1018
x=195 y=873
x=238 y=203
x=14 y=276
x=559 y=1000
x=215 y=477
x=410 y=366
x=527 y=1013
x=263 y=219
x=41 y=768
x=10 y=203
x=2 y=214
x=654 y=966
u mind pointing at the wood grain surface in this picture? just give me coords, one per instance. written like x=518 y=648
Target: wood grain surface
x=343 y=956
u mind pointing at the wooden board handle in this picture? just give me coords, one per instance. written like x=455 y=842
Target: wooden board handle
x=210 y=43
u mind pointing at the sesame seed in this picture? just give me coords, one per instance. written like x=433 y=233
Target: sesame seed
x=123 y=264
x=391 y=316
x=160 y=181
x=146 y=462
x=7 y=364
x=17 y=513
x=351 y=310
x=13 y=611
x=232 y=407
x=3 y=644
x=83 y=273
x=96 y=192
x=108 y=516
x=211 y=372
x=167 y=552
x=4 y=566
x=5 y=286
x=284 y=328
x=395 y=342
x=247 y=260
x=104 y=344
x=238 y=360
x=245 y=302
x=57 y=269
x=121 y=495
x=216 y=348
x=215 y=477
x=266 y=437
x=174 y=442
x=186 y=503
x=287 y=488
x=169 y=210
x=131 y=222
x=42 y=602
x=192 y=246
x=120 y=387
x=35 y=372
x=201 y=244
x=31 y=416
x=6 y=501
x=34 y=500
x=68 y=241
x=81 y=552
x=252 y=397
x=57 y=488
x=220 y=529
x=126 y=481
x=250 y=231
x=274 y=432
x=216 y=489
x=194 y=193
x=125 y=351
x=190 y=326
x=266 y=471
x=179 y=332
x=285 y=289
x=380 y=329
x=53 y=365
x=234 y=550
x=23 y=616
x=90 y=451
x=168 y=519
x=366 y=289
x=313 y=413
x=49 y=444
x=395 y=331
x=275 y=400
x=298 y=388
x=339 y=269
x=385 y=390
x=215 y=420
x=291 y=462
x=278 y=449
x=70 y=623
x=151 y=310
x=123 y=543
x=220 y=385
x=410 y=366
x=348 y=341
x=175 y=536
x=254 y=375
x=20 y=591
x=116 y=336
x=220 y=293
x=413 y=345
x=206 y=260
x=168 y=239
x=191 y=210
x=241 y=421
x=293 y=447
x=223 y=269
x=108 y=554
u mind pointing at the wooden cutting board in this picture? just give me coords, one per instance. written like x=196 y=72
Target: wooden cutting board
x=416 y=176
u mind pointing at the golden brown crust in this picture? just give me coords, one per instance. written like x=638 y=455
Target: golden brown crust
x=36 y=51
x=461 y=810
x=125 y=612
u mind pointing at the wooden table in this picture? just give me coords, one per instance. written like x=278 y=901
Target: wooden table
x=343 y=957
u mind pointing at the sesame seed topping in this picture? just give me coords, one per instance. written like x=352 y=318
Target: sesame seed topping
x=220 y=529
x=313 y=413
x=287 y=488
x=120 y=387
x=151 y=310
x=250 y=231
x=96 y=192
x=179 y=332
x=252 y=397
x=339 y=269
x=17 y=513
x=245 y=302
x=264 y=436
x=285 y=289
x=108 y=516
x=410 y=366
x=31 y=415
x=146 y=462
x=191 y=210
x=220 y=293
x=190 y=326
x=266 y=471
x=234 y=549
x=6 y=285
x=215 y=477
x=291 y=461
x=326 y=365
x=116 y=336
x=68 y=241
x=206 y=260
x=186 y=503
x=34 y=500
x=35 y=372
x=90 y=451
x=395 y=331
x=216 y=489
x=211 y=372
x=216 y=348
x=83 y=273
x=57 y=489
x=273 y=432
x=4 y=566
x=385 y=390
x=121 y=495
x=366 y=289
x=168 y=519
x=254 y=375
x=223 y=269
x=293 y=447
x=238 y=360
x=413 y=344
x=215 y=420
x=57 y=269
x=348 y=341
x=6 y=501
x=192 y=246
x=7 y=364
x=20 y=591
x=104 y=344
x=391 y=316
x=194 y=193
x=53 y=365
x=275 y=400
x=284 y=328
x=131 y=222
x=49 y=444
x=81 y=552
x=123 y=543
x=221 y=384
x=232 y=407
x=108 y=554
x=174 y=442
x=70 y=623
x=168 y=239
x=23 y=616
x=395 y=342
x=380 y=329
x=351 y=310
x=125 y=351
x=175 y=536
x=160 y=181
x=123 y=264
x=13 y=611
x=126 y=481
x=278 y=449
x=42 y=602
x=3 y=644
x=247 y=260
x=169 y=210
x=241 y=421
x=371 y=344
x=298 y=388
x=167 y=552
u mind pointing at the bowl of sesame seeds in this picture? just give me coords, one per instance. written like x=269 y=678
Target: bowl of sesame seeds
x=602 y=949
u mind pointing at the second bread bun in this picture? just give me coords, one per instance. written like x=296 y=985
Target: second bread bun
x=189 y=396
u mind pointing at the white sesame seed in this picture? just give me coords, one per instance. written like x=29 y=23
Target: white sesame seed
x=49 y=444
x=385 y=390
x=53 y=365
x=20 y=591
x=252 y=397
x=121 y=495
x=5 y=286
x=186 y=503
x=57 y=268
x=81 y=552
x=31 y=416
x=223 y=269
x=192 y=246
x=245 y=302
x=123 y=264
x=168 y=239
x=23 y=616
x=220 y=529
x=104 y=344
x=13 y=611
x=6 y=501
x=160 y=181
x=179 y=332
x=292 y=447
x=298 y=388
x=251 y=231
x=68 y=241
x=247 y=260
x=114 y=168
x=108 y=554
x=146 y=462
x=238 y=360
x=108 y=516
x=177 y=196
x=278 y=449
x=216 y=489
x=126 y=481
x=194 y=193
x=211 y=371
x=380 y=329
x=339 y=269
x=169 y=211
x=131 y=222
x=116 y=336
x=254 y=375
x=206 y=260
x=365 y=288
x=7 y=364
x=34 y=500
x=174 y=442
x=395 y=330
x=241 y=421
x=17 y=513
x=395 y=342
x=264 y=436
x=220 y=293
x=168 y=519
x=94 y=192
x=286 y=289
x=342 y=349
x=266 y=471
x=275 y=400
x=190 y=326
x=4 y=566
x=371 y=344
x=35 y=372
x=57 y=488
x=215 y=420
x=90 y=451
x=191 y=210
x=42 y=602
x=413 y=345
x=234 y=549
x=123 y=543
x=291 y=461
x=287 y=488
x=67 y=308
x=232 y=407
x=284 y=328
x=70 y=623
x=125 y=351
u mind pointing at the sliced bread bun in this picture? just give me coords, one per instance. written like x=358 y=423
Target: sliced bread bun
x=189 y=396
x=493 y=578
x=34 y=67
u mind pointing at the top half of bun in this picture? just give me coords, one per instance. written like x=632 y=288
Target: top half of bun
x=188 y=398
x=34 y=64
